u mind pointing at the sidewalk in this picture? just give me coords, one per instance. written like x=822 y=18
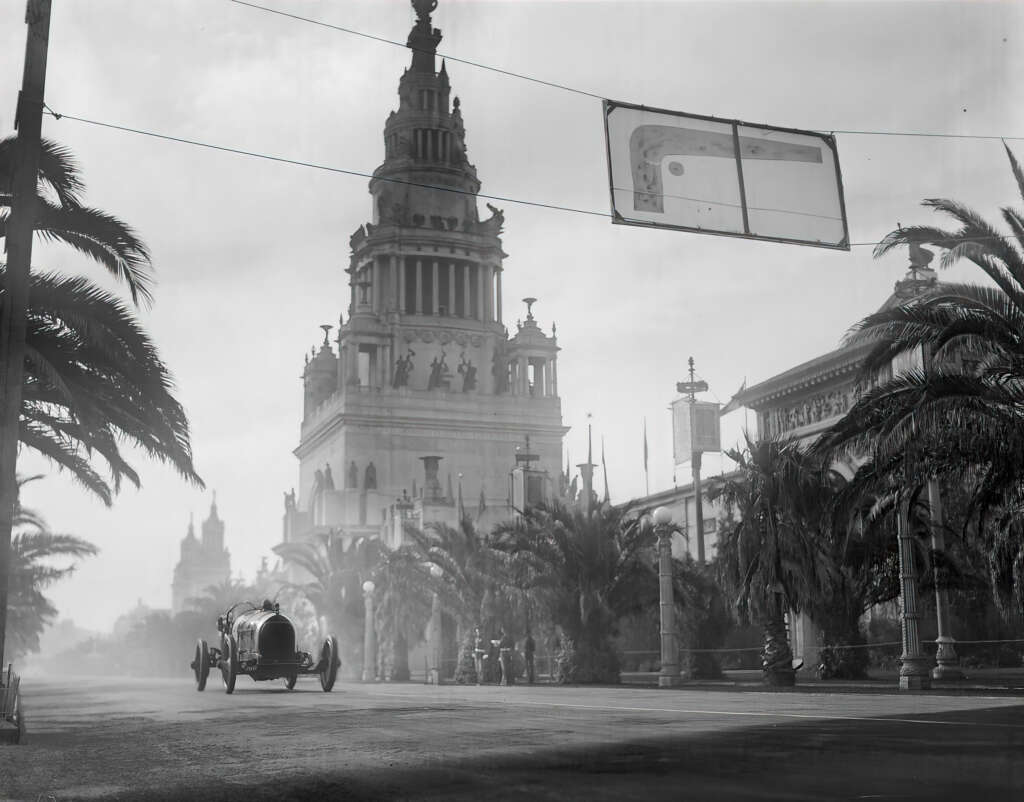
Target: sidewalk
x=986 y=681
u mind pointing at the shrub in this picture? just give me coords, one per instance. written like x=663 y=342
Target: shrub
x=585 y=664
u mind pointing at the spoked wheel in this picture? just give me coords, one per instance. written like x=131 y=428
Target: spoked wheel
x=201 y=664
x=329 y=662
x=290 y=680
x=229 y=664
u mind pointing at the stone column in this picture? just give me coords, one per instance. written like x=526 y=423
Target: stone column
x=435 y=302
x=499 y=296
x=401 y=286
x=948 y=665
x=451 y=289
x=467 y=307
x=914 y=674
x=394 y=282
x=524 y=376
x=554 y=376
x=488 y=280
x=480 y=313
x=376 y=288
x=419 y=287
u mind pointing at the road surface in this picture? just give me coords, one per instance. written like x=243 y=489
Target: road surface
x=159 y=739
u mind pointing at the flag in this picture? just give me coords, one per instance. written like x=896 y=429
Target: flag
x=604 y=469
x=734 y=402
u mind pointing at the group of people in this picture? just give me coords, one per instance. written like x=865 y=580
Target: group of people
x=502 y=647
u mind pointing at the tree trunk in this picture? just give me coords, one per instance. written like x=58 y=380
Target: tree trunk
x=400 y=659
x=777 y=657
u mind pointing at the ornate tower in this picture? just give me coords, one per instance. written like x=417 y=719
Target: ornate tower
x=204 y=562
x=424 y=365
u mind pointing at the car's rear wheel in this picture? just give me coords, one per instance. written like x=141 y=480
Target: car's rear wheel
x=229 y=664
x=329 y=662
x=201 y=664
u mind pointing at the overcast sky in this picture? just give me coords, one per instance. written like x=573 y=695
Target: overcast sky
x=250 y=254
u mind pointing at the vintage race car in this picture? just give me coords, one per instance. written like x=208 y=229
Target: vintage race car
x=260 y=642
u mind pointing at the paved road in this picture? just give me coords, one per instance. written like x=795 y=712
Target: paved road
x=160 y=740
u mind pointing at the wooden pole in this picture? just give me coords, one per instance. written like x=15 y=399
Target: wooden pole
x=28 y=122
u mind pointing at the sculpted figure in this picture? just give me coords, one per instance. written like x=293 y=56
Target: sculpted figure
x=468 y=372
x=437 y=370
x=403 y=367
x=352 y=480
x=370 y=480
x=328 y=477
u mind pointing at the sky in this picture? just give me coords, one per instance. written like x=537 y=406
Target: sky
x=250 y=254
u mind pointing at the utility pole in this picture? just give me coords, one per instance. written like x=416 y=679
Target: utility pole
x=28 y=122
x=691 y=388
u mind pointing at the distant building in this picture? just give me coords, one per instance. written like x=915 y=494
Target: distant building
x=204 y=562
x=424 y=408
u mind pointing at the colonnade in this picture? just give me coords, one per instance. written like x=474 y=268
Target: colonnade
x=429 y=286
x=545 y=376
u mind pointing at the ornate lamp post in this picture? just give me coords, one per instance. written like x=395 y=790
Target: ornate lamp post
x=948 y=666
x=669 y=674
x=435 y=630
x=369 y=635
x=914 y=673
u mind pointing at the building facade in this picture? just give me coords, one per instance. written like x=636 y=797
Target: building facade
x=418 y=408
x=204 y=561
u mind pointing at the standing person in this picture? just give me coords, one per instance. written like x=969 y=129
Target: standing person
x=478 y=655
x=505 y=647
x=529 y=647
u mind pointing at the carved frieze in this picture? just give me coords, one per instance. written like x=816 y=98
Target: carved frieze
x=811 y=409
x=444 y=336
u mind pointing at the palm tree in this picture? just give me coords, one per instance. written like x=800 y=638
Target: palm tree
x=94 y=381
x=586 y=572
x=215 y=599
x=59 y=216
x=472 y=588
x=959 y=416
x=771 y=555
x=39 y=558
x=402 y=607
x=337 y=566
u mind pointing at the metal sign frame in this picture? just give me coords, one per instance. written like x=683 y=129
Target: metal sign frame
x=829 y=140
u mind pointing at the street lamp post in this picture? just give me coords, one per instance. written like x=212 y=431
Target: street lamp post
x=669 y=674
x=914 y=673
x=948 y=665
x=369 y=635
x=435 y=630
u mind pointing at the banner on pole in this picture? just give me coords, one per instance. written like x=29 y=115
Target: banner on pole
x=713 y=176
x=695 y=427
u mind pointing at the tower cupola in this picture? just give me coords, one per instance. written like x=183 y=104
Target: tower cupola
x=320 y=377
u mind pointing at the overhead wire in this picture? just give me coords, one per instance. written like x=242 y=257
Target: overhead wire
x=361 y=174
x=567 y=88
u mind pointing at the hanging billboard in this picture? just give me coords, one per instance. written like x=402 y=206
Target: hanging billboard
x=713 y=176
x=695 y=427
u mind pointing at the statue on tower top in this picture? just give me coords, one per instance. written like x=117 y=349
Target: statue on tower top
x=423 y=39
x=424 y=8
